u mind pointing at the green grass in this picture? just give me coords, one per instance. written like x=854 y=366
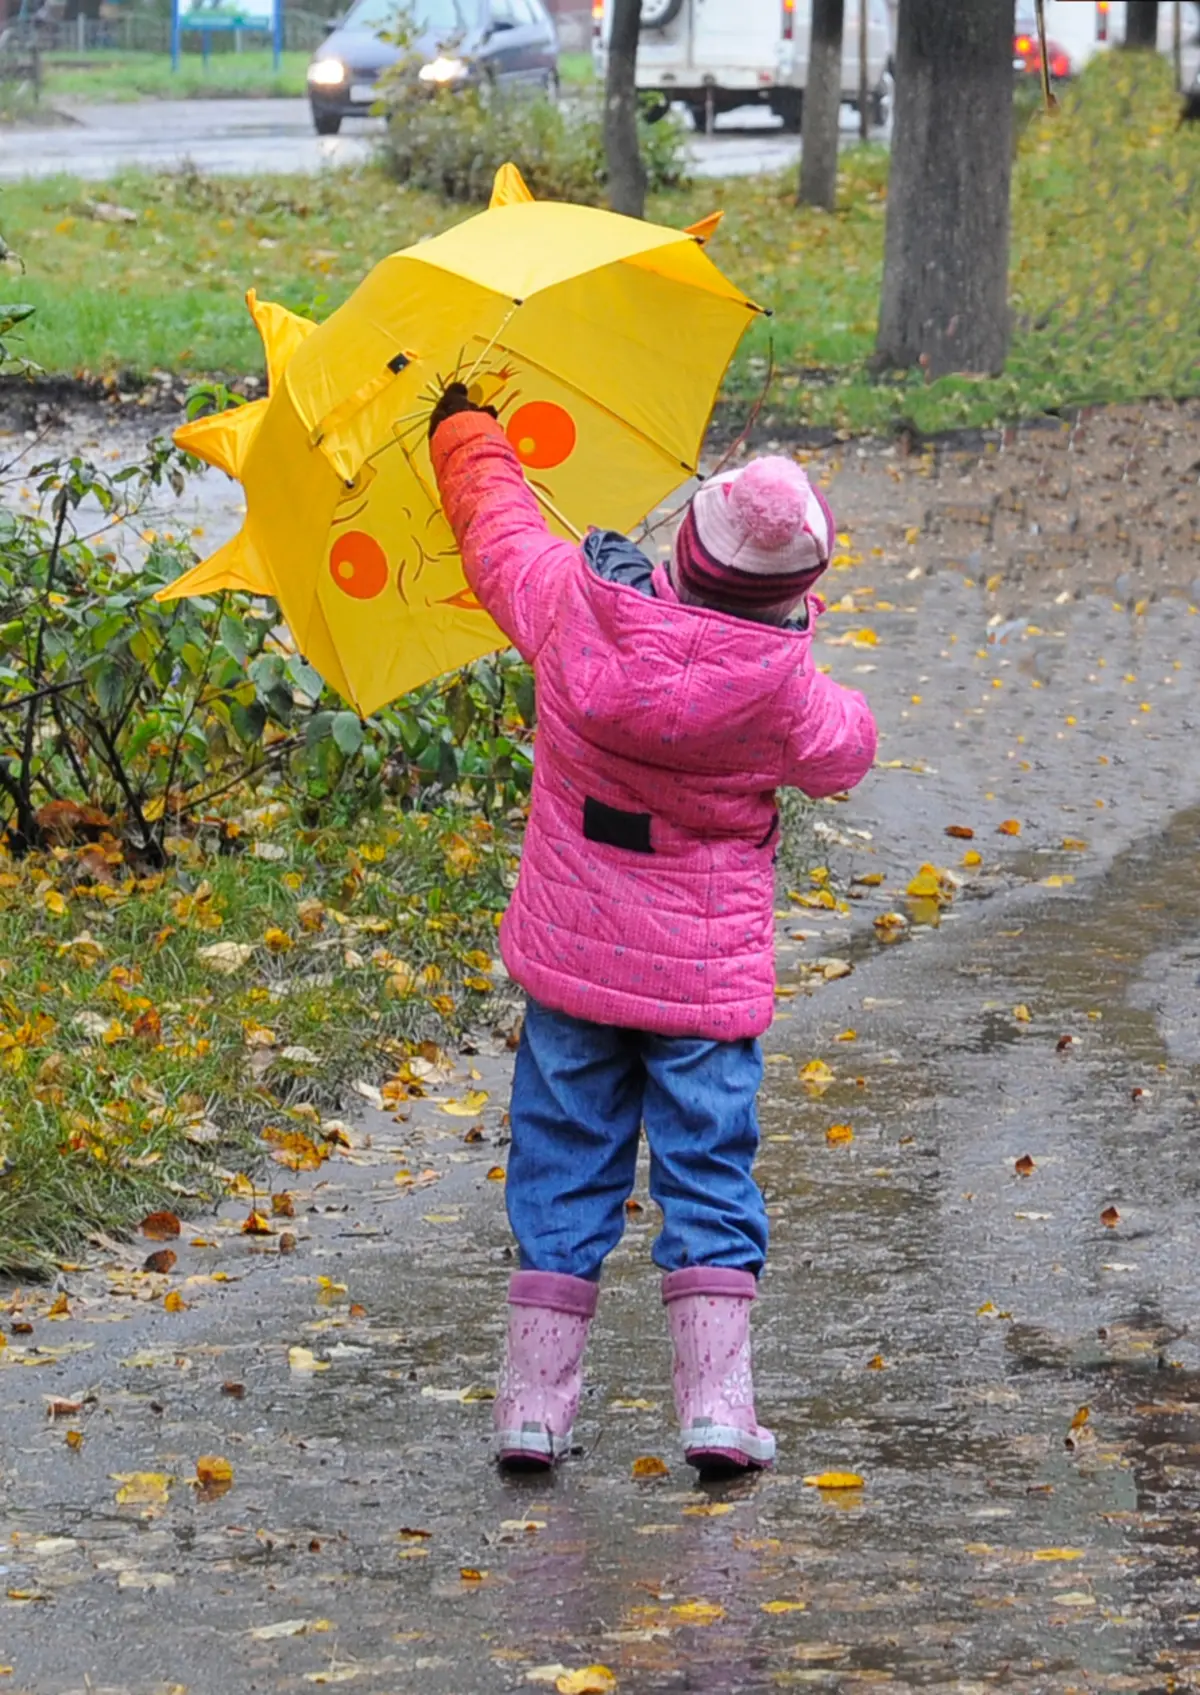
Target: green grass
x=142 y=76
x=132 y=1075
x=1105 y=271
x=575 y=70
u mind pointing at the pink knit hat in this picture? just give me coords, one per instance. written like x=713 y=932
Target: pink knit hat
x=754 y=541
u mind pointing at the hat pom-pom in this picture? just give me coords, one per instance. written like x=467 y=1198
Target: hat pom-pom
x=770 y=498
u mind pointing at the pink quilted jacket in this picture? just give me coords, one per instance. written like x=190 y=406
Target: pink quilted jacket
x=646 y=892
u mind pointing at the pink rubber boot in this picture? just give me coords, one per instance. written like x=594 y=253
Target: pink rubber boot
x=709 y=1310
x=548 y=1321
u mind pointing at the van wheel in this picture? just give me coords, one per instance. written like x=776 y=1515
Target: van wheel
x=788 y=104
x=657 y=14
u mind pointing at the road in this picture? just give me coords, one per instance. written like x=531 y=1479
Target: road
x=938 y=1311
x=244 y=137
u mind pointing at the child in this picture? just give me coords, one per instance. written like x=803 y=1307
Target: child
x=673 y=702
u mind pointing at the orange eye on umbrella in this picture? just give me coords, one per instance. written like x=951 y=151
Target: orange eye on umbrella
x=358 y=565
x=542 y=434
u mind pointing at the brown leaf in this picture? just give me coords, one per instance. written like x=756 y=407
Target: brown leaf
x=1025 y=1166
x=287 y=1243
x=160 y=1261
x=235 y=1391
x=282 y=1205
x=1063 y=1043
x=148 y=1025
x=56 y=1407
x=257 y=1224
x=74 y=1439
x=649 y=1465
x=357 y=1310
x=160 y=1226
x=1110 y=1217
x=960 y=832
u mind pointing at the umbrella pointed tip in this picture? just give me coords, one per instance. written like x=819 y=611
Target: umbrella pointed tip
x=509 y=188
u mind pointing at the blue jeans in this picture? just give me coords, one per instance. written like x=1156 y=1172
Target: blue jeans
x=581 y=1094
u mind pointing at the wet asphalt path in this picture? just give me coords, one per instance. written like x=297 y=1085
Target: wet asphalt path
x=932 y=1320
x=253 y=137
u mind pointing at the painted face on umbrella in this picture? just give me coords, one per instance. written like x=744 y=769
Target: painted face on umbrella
x=379 y=547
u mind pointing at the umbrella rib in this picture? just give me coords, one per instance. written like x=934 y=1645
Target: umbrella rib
x=504 y=323
x=556 y=376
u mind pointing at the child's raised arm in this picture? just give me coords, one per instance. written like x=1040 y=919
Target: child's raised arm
x=512 y=561
x=833 y=737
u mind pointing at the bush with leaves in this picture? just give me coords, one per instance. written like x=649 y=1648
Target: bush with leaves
x=12 y=313
x=152 y=713
x=452 y=143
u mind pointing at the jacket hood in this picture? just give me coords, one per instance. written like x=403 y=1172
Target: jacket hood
x=678 y=688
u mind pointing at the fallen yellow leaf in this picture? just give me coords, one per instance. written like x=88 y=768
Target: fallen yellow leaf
x=838 y=1134
x=783 y=1606
x=304 y=1360
x=471 y=1103
x=1048 y=1554
x=142 y=1488
x=1010 y=827
x=835 y=1480
x=649 y=1465
x=214 y=1474
x=590 y=1680
x=698 y=1612
x=710 y=1509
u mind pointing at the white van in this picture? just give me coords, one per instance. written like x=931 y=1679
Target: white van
x=713 y=56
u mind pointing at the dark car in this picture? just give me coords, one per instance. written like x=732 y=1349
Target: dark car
x=511 y=43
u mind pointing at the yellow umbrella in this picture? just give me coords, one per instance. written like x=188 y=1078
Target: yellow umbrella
x=600 y=341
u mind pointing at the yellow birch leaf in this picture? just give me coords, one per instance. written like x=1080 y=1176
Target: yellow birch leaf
x=783 y=1606
x=304 y=1360
x=698 y=1612
x=142 y=1488
x=589 y=1680
x=1047 y=1555
x=469 y=1104
x=835 y=1480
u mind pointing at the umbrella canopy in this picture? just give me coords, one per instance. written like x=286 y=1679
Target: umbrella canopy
x=600 y=340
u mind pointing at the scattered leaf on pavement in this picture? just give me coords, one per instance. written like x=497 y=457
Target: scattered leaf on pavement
x=160 y=1226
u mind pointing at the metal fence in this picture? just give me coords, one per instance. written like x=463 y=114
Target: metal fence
x=140 y=32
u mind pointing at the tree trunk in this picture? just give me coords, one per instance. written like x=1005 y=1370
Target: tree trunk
x=945 y=274
x=626 y=172
x=1141 y=23
x=822 y=105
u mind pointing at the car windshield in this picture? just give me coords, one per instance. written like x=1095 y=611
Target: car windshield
x=425 y=17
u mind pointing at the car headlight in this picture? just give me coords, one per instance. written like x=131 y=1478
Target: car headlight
x=327 y=73
x=442 y=70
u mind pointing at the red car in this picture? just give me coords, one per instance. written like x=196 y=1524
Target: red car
x=1027 y=53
